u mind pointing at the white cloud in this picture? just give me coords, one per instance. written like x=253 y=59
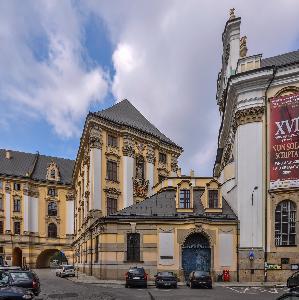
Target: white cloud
x=168 y=54
x=58 y=86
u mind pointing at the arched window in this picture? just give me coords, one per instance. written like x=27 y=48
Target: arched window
x=285 y=223
x=52 y=230
x=52 y=209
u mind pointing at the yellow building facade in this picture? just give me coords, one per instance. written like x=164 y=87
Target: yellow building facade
x=36 y=208
x=134 y=207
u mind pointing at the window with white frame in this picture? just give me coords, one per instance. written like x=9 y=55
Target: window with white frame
x=285 y=223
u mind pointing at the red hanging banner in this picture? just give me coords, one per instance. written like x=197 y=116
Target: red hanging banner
x=284 y=130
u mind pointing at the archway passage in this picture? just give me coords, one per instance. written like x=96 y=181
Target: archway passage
x=50 y=255
x=17 y=257
x=196 y=254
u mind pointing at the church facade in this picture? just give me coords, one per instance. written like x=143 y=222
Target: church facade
x=257 y=157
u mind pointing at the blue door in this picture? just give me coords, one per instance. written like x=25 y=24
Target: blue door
x=196 y=254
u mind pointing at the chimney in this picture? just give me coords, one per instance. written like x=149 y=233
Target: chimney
x=8 y=154
x=192 y=173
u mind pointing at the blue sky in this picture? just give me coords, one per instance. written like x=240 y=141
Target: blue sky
x=61 y=59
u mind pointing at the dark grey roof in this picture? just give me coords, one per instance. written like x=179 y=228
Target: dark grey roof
x=35 y=166
x=280 y=60
x=163 y=205
x=125 y=113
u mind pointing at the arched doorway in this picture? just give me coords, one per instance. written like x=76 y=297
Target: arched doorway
x=196 y=254
x=48 y=255
x=17 y=257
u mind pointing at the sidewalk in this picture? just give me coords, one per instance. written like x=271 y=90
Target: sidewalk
x=83 y=278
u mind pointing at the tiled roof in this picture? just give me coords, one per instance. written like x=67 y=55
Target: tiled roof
x=124 y=113
x=35 y=166
x=280 y=60
x=164 y=205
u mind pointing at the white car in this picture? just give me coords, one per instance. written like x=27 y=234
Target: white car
x=65 y=271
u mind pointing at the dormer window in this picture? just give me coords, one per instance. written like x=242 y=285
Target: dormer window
x=53 y=172
x=213 y=199
x=184 y=199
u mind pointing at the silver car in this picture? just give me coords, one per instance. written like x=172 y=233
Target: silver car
x=65 y=271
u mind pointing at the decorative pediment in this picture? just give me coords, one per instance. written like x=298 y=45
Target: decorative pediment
x=53 y=173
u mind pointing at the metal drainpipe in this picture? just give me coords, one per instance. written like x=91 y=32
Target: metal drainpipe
x=266 y=170
x=238 y=264
x=91 y=258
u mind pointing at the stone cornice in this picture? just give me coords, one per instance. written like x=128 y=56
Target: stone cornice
x=249 y=115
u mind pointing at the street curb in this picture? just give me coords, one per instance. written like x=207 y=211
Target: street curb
x=215 y=284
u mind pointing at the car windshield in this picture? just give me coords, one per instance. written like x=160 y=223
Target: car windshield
x=201 y=273
x=165 y=274
x=68 y=267
x=3 y=278
x=20 y=276
x=137 y=271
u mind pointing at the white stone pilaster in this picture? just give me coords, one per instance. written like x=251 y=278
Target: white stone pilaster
x=95 y=178
x=26 y=212
x=7 y=211
x=128 y=168
x=150 y=177
x=249 y=175
x=33 y=214
x=70 y=217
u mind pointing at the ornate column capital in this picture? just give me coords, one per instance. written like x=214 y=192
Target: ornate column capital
x=249 y=115
x=95 y=136
x=150 y=154
x=128 y=146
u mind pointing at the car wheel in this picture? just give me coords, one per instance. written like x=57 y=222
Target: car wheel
x=145 y=286
x=126 y=286
x=210 y=286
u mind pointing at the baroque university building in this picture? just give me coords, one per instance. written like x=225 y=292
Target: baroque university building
x=124 y=201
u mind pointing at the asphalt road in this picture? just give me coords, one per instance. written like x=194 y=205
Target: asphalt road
x=61 y=288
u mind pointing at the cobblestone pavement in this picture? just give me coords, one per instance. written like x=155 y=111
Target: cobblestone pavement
x=62 y=288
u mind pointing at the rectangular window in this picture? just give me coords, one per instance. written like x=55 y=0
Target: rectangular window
x=111 y=206
x=162 y=158
x=17 y=227
x=1 y=227
x=184 y=199
x=17 y=186
x=112 y=141
x=96 y=257
x=1 y=203
x=52 y=192
x=133 y=247
x=213 y=199
x=111 y=170
x=17 y=205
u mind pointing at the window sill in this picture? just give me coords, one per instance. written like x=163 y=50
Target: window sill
x=133 y=261
x=283 y=246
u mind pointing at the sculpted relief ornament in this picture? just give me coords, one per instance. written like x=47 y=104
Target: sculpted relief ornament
x=140 y=187
x=95 y=137
x=150 y=154
x=174 y=163
x=128 y=147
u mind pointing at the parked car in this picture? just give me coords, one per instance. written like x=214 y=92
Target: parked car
x=25 y=279
x=65 y=271
x=166 y=279
x=12 y=292
x=136 y=277
x=293 y=281
x=199 y=279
